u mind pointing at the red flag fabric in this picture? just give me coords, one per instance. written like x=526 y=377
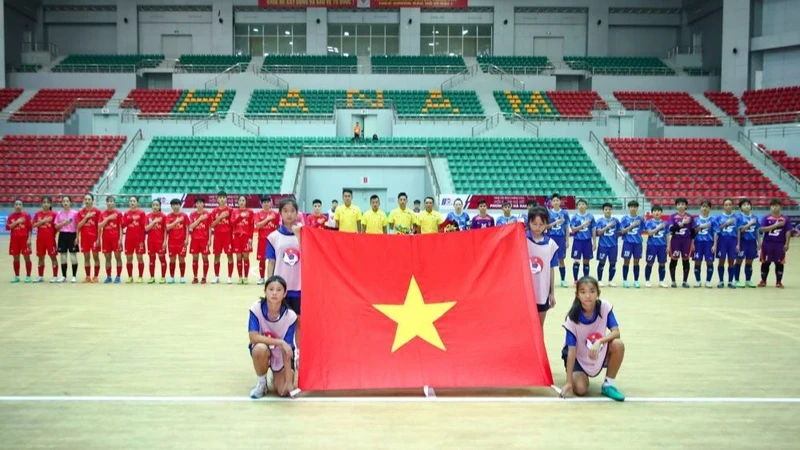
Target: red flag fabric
x=440 y=310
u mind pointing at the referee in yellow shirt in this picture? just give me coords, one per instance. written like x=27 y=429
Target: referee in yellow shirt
x=374 y=221
x=348 y=216
x=428 y=219
x=402 y=219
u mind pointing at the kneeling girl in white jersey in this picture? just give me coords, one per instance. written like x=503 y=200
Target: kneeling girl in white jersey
x=271 y=329
x=588 y=348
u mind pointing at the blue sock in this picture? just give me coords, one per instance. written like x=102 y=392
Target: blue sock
x=636 y=272
x=611 y=272
x=586 y=269
x=697 y=272
x=721 y=272
x=625 y=269
x=575 y=267
x=748 y=271
x=709 y=273
x=563 y=271
x=731 y=272
x=662 y=273
x=648 y=270
x=737 y=271
x=600 y=268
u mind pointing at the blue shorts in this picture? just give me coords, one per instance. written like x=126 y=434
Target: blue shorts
x=748 y=250
x=582 y=249
x=702 y=251
x=607 y=253
x=293 y=301
x=656 y=253
x=561 y=241
x=577 y=367
x=726 y=247
x=631 y=249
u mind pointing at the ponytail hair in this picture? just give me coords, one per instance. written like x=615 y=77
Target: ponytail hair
x=575 y=310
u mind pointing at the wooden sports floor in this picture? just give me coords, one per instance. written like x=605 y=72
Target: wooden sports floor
x=704 y=368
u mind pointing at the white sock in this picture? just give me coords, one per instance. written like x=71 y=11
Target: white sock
x=262 y=379
x=608 y=382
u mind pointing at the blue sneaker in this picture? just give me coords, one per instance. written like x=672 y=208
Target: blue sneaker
x=731 y=286
x=625 y=284
x=108 y=280
x=117 y=280
x=636 y=285
x=685 y=285
x=613 y=393
x=720 y=285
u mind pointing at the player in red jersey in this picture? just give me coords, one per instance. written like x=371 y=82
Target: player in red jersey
x=199 y=228
x=242 y=222
x=133 y=226
x=111 y=237
x=89 y=237
x=316 y=219
x=44 y=222
x=267 y=221
x=19 y=224
x=156 y=244
x=223 y=235
x=177 y=239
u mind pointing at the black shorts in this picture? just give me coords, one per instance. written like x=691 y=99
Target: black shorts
x=66 y=242
x=294 y=304
x=543 y=308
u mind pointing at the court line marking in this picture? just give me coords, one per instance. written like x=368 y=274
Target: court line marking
x=270 y=399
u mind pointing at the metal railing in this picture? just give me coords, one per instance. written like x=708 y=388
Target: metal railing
x=767 y=132
x=202 y=68
x=611 y=160
x=527 y=125
x=459 y=78
x=487 y=124
x=204 y=124
x=226 y=74
x=271 y=78
x=685 y=50
x=291 y=68
x=106 y=68
x=504 y=76
x=54 y=116
x=756 y=150
x=246 y=124
x=437 y=191
x=298 y=176
x=40 y=47
x=522 y=70
x=418 y=70
x=104 y=185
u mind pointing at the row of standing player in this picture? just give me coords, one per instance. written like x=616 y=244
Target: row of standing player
x=135 y=233
x=728 y=236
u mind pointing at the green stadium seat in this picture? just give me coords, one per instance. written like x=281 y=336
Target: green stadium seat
x=211 y=63
x=619 y=65
x=417 y=64
x=310 y=64
x=515 y=64
x=107 y=63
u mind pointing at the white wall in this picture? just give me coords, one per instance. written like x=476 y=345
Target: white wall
x=782 y=67
x=735 y=35
x=122 y=82
x=15 y=26
x=641 y=40
x=710 y=28
x=127 y=33
x=409 y=33
x=570 y=26
x=198 y=25
x=607 y=84
x=90 y=39
x=780 y=16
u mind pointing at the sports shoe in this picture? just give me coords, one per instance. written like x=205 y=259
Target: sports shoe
x=740 y=284
x=636 y=285
x=151 y=281
x=129 y=281
x=162 y=281
x=564 y=283
x=171 y=280
x=108 y=280
x=779 y=285
x=662 y=284
x=183 y=280
x=245 y=281
x=117 y=280
x=195 y=281
x=698 y=284
x=720 y=285
x=73 y=280
x=56 y=280
x=215 y=280
x=229 y=281
x=709 y=285
x=95 y=280
x=750 y=284
x=674 y=284
x=685 y=285
x=140 y=280
x=15 y=280
x=259 y=391
x=27 y=279
x=731 y=286
x=38 y=280
x=612 y=392
x=240 y=281
x=61 y=279
x=203 y=281
x=261 y=281
x=625 y=285
x=602 y=284
x=612 y=284
x=87 y=280
x=647 y=284
x=762 y=283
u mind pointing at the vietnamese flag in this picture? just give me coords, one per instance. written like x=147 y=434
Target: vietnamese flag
x=439 y=310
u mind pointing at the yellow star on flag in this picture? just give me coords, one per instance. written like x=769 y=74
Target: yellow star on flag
x=415 y=318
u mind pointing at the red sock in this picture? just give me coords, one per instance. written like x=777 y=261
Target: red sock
x=216 y=269
x=41 y=271
x=28 y=268
x=239 y=264
x=152 y=267
x=246 y=268
x=119 y=270
x=108 y=271
x=205 y=269
x=262 y=268
x=182 y=266
x=16 y=268
x=194 y=269
x=172 y=269
x=96 y=271
x=129 y=268
x=230 y=266
x=163 y=260
x=141 y=270
x=55 y=270
x=88 y=269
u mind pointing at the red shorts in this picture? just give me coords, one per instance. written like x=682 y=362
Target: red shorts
x=110 y=244
x=241 y=244
x=176 y=248
x=89 y=244
x=198 y=247
x=155 y=247
x=47 y=248
x=18 y=246
x=261 y=249
x=134 y=244
x=222 y=244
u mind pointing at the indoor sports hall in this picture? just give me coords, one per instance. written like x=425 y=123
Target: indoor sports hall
x=168 y=165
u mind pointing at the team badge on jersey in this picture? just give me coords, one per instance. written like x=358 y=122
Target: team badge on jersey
x=592 y=338
x=269 y=334
x=291 y=256
x=536 y=264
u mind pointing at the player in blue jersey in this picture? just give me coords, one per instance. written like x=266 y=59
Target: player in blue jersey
x=459 y=216
x=727 y=234
x=607 y=228
x=704 y=242
x=530 y=205
x=631 y=232
x=506 y=218
x=748 y=242
x=558 y=230
x=584 y=241
x=656 y=229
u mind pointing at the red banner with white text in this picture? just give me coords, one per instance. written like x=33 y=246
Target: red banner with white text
x=496 y=201
x=369 y=4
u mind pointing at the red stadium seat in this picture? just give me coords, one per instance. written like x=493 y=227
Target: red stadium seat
x=8 y=95
x=152 y=101
x=57 y=105
x=674 y=108
x=727 y=102
x=776 y=105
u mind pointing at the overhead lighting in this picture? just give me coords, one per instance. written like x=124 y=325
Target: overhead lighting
x=345 y=54
x=430 y=44
x=255 y=29
x=291 y=42
x=435 y=31
x=287 y=32
x=463 y=32
x=347 y=33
